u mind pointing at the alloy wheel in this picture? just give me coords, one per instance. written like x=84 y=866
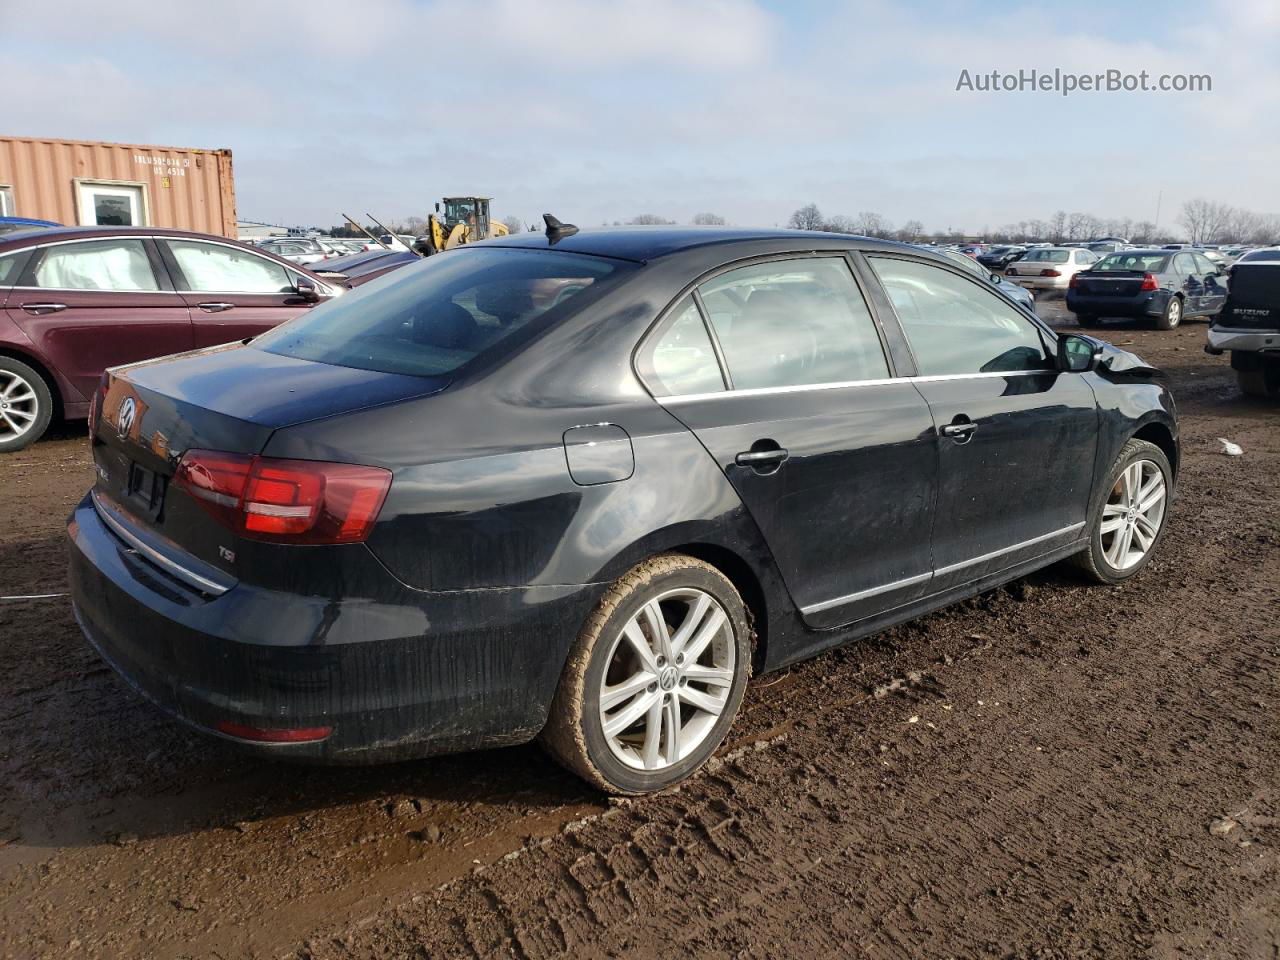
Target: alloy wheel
x=1175 y=312
x=668 y=679
x=19 y=405
x=1133 y=514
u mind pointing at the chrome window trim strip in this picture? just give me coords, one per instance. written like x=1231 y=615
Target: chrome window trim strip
x=805 y=387
x=203 y=584
x=865 y=594
x=995 y=554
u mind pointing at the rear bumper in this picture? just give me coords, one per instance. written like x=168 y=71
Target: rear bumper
x=1250 y=341
x=1040 y=283
x=415 y=673
x=1150 y=304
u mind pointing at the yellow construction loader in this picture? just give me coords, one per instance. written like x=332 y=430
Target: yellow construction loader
x=464 y=220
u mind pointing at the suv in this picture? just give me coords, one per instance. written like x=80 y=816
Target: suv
x=1249 y=324
x=76 y=300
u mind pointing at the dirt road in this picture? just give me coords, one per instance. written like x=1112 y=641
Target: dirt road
x=1050 y=770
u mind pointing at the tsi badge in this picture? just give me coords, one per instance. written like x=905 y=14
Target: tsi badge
x=124 y=419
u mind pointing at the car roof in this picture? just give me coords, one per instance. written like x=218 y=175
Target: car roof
x=52 y=234
x=642 y=244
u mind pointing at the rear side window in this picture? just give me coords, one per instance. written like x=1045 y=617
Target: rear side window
x=793 y=322
x=432 y=317
x=680 y=359
x=97 y=265
x=11 y=267
x=955 y=326
x=214 y=268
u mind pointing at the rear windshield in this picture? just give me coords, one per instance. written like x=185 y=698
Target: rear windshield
x=431 y=318
x=1047 y=256
x=1138 y=262
x=1260 y=255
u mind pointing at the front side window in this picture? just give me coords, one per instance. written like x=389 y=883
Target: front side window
x=97 y=265
x=214 y=268
x=955 y=326
x=794 y=322
x=1205 y=265
x=680 y=359
x=432 y=317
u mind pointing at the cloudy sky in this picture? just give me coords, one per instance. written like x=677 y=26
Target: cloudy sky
x=598 y=110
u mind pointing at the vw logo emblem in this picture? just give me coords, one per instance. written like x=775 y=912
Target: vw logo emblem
x=667 y=679
x=124 y=419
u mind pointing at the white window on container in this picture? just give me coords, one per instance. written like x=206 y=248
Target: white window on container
x=6 y=201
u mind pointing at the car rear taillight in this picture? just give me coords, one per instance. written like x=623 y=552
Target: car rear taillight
x=1074 y=282
x=285 y=501
x=1149 y=283
x=1050 y=273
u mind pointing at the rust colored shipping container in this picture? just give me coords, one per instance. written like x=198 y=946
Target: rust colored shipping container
x=125 y=184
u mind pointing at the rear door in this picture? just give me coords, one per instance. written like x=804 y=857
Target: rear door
x=92 y=304
x=234 y=293
x=832 y=457
x=1213 y=284
x=1187 y=279
x=1016 y=438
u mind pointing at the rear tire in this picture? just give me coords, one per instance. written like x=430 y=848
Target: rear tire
x=1122 y=535
x=1086 y=320
x=1263 y=382
x=628 y=685
x=1172 y=315
x=26 y=405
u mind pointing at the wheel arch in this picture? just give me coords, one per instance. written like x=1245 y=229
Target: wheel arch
x=1155 y=432
x=34 y=362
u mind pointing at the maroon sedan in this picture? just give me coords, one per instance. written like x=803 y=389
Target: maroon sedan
x=76 y=300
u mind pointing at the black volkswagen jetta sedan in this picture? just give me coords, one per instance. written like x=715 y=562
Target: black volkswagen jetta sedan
x=580 y=487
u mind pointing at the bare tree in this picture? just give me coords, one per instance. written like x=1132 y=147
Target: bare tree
x=1057 y=226
x=708 y=220
x=840 y=224
x=649 y=219
x=1204 y=219
x=872 y=225
x=808 y=217
x=514 y=224
x=1144 y=231
x=911 y=231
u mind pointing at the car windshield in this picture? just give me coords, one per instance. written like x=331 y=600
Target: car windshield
x=432 y=317
x=1136 y=262
x=1047 y=256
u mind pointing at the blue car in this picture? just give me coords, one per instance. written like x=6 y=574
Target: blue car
x=14 y=224
x=1162 y=286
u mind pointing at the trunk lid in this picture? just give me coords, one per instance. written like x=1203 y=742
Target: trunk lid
x=229 y=399
x=1253 y=301
x=1112 y=283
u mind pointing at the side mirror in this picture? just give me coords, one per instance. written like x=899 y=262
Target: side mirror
x=306 y=290
x=1077 y=354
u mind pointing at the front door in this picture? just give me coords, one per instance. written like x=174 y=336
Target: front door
x=111 y=205
x=1213 y=284
x=234 y=293
x=92 y=304
x=834 y=460
x=1016 y=438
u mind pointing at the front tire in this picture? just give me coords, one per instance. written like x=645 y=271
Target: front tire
x=26 y=405
x=1172 y=315
x=1128 y=516
x=655 y=678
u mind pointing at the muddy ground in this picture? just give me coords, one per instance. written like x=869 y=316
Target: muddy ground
x=1050 y=770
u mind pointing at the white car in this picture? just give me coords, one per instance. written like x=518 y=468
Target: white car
x=1049 y=268
x=298 y=249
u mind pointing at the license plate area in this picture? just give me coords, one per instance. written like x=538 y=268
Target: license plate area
x=145 y=490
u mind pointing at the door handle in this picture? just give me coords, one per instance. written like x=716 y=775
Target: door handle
x=958 y=431
x=215 y=307
x=761 y=458
x=39 y=308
